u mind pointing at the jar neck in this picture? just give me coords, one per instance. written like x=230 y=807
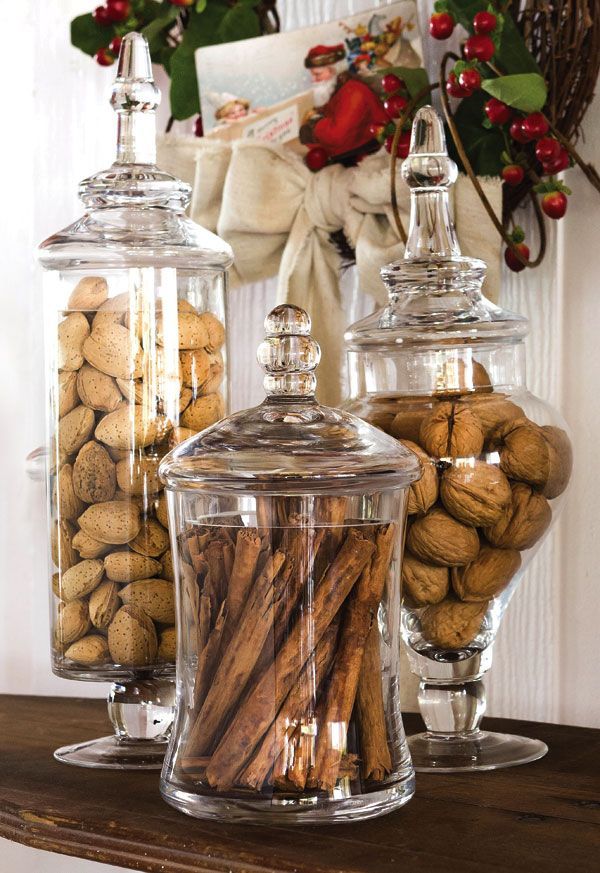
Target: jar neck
x=431 y=232
x=136 y=138
x=423 y=371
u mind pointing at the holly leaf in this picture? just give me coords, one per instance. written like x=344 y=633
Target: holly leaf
x=483 y=146
x=524 y=91
x=240 y=22
x=89 y=36
x=200 y=6
x=415 y=79
x=155 y=30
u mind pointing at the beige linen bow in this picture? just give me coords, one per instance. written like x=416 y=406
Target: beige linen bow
x=278 y=217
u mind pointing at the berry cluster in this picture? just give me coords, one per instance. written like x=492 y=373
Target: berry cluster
x=113 y=12
x=395 y=100
x=531 y=148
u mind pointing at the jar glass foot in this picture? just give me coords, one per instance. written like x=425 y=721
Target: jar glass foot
x=477 y=750
x=142 y=714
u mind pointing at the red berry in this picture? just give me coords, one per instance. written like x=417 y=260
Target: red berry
x=547 y=149
x=512 y=261
x=470 y=80
x=376 y=130
x=513 y=175
x=316 y=158
x=115 y=45
x=562 y=162
x=484 y=22
x=516 y=131
x=118 y=10
x=497 y=111
x=554 y=204
x=479 y=48
x=441 y=25
x=453 y=89
x=101 y=16
x=198 y=128
x=391 y=83
x=395 y=105
x=403 y=147
x=104 y=57
x=534 y=126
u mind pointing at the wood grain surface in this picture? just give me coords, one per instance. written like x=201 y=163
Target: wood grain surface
x=540 y=817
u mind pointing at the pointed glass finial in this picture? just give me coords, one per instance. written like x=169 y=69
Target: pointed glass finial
x=135 y=99
x=288 y=354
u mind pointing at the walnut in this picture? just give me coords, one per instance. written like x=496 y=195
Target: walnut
x=492 y=410
x=487 y=575
x=560 y=461
x=526 y=519
x=452 y=624
x=451 y=430
x=475 y=493
x=406 y=425
x=439 y=539
x=423 y=493
x=457 y=377
x=524 y=453
x=423 y=583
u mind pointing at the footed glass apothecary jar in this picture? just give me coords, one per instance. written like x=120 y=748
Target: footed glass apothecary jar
x=135 y=324
x=287 y=523
x=443 y=370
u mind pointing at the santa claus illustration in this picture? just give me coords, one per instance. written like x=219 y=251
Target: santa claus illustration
x=345 y=108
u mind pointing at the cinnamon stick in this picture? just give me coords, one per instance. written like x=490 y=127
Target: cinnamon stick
x=375 y=751
x=247 y=550
x=343 y=683
x=208 y=658
x=237 y=661
x=255 y=715
x=204 y=613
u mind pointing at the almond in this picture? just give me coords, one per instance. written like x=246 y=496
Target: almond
x=114 y=350
x=97 y=390
x=89 y=293
x=129 y=566
x=162 y=512
x=89 y=651
x=75 y=429
x=88 y=547
x=195 y=367
x=203 y=412
x=152 y=540
x=155 y=596
x=68 y=397
x=94 y=477
x=79 y=580
x=179 y=435
x=72 y=622
x=132 y=638
x=133 y=390
x=61 y=545
x=167 y=566
x=215 y=331
x=129 y=428
x=112 y=522
x=112 y=311
x=72 y=333
x=68 y=505
x=215 y=376
x=167 y=649
x=192 y=331
x=104 y=604
x=138 y=474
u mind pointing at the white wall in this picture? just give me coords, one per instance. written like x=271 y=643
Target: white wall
x=58 y=128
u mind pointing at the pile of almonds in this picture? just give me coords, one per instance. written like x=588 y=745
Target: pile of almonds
x=130 y=384
x=489 y=474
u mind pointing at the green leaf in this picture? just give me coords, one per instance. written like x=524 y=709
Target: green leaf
x=240 y=22
x=483 y=146
x=200 y=6
x=89 y=36
x=524 y=91
x=155 y=31
x=415 y=79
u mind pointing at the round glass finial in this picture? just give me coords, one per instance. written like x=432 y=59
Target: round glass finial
x=288 y=354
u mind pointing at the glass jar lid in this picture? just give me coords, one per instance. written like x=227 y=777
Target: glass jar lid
x=290 y=442
x=434 y=291
x=134 y=210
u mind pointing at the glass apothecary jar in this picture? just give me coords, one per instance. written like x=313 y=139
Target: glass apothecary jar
x=443 y=370
x=287 y=523
x=135 y=329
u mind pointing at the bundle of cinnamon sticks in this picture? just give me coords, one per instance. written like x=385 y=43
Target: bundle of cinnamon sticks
x=287 y=694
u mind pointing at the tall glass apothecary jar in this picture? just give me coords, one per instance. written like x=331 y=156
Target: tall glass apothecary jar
x=443 y=370
x=135 y=330
x=287 y=522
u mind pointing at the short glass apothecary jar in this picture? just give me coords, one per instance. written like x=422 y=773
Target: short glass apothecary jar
x=443 y=370
x=287 y=523
x=134 y=297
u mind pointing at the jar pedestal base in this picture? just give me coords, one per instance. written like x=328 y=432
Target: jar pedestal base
x=477 y=750
x=111 y=753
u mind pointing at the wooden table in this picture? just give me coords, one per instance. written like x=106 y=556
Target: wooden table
x=541 y=817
